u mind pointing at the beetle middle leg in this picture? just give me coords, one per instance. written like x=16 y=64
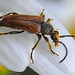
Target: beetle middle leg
x=47 y=40
x=12 y=32
x=39 y=38
x=42 y=14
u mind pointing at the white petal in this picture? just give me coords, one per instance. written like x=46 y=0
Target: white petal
x=65 y=68
x=45 y=62
x=14 y=51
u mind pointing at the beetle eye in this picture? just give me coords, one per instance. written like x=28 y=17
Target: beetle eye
x=55 y=36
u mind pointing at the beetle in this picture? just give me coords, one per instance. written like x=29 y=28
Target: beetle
x=33 y=24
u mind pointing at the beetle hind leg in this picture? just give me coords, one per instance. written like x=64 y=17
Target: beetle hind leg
x=12 y=32
x=11 y=13
x=39 y=38
x=47 y=40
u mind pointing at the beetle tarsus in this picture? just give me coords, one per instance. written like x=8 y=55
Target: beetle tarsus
x=32 y=61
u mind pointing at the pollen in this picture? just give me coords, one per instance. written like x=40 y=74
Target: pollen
x=57 y=36
x=56 y=45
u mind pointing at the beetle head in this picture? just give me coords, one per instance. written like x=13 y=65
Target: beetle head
x=55 y=37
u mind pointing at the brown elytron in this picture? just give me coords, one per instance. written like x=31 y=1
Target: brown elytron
x=23 y=22
x=35 y=25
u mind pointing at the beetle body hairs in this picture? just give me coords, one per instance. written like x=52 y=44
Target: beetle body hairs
x=33 y=24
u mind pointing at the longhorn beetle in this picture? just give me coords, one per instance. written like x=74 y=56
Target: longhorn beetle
x=33 y=24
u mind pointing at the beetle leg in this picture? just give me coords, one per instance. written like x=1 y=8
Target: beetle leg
x=39 y=38
x=12 y=32
x=42 y=14
x=11 y=13
x=1 y=17
x=47 y=40
x=49 y=19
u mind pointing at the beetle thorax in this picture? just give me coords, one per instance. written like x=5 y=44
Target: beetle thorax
x=46 y=28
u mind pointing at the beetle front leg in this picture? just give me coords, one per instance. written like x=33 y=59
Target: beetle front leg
x=47 y=40
x=49 y=20
x=12 y=32
x=39 y=38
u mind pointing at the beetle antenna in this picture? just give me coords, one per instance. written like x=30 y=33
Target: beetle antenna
x=66 y=51
x=67 y=36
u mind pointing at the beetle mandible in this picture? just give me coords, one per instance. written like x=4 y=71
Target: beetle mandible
x=33 y=24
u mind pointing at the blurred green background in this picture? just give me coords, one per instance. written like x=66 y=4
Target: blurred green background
x=28 y=71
